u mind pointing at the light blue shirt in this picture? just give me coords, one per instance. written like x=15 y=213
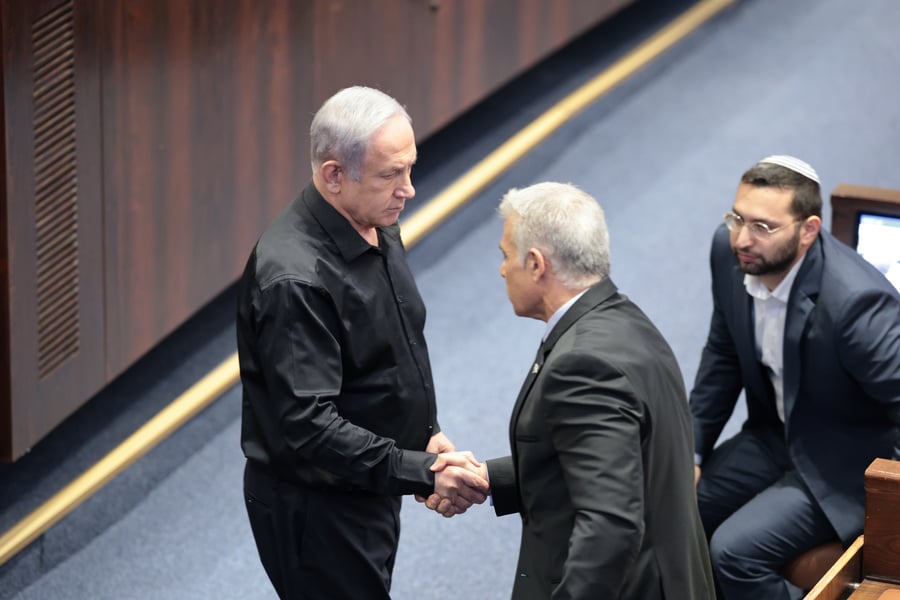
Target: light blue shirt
x=553 y=320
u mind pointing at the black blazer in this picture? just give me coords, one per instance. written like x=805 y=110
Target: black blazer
x=841 y=372
x=601 y=470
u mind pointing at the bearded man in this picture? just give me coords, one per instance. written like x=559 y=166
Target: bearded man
x=810 y=333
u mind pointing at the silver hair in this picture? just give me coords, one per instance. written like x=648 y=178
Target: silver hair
x=566 y=224
x=343 y=126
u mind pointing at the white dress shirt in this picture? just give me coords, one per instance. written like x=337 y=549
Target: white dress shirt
x=769 y=312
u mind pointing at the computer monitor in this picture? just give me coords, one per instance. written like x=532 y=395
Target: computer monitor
x=868 y=219
x=878 y=241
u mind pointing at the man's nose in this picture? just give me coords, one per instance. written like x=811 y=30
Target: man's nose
x=406 y=187
x=743 y=238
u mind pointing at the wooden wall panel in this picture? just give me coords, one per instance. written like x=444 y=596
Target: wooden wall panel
x=205 y=106
x=53 y=213
x=361 y=43
x=7 y=403
x=149 y=142
x=461 y=51
x=439 y=58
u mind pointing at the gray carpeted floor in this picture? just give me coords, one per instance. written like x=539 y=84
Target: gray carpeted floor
x=816 y=78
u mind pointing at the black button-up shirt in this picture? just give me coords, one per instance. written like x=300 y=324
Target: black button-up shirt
x=337 y=386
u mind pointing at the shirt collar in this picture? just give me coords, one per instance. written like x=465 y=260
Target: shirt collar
x=551 y=323
x=756 y=288
x=349 y=242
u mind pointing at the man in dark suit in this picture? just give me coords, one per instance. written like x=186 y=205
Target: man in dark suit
x=810 y=333
x=601 y=465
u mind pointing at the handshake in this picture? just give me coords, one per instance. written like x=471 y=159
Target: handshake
x=459 y=482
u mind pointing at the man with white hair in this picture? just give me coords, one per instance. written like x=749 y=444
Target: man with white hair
x=810 y=333
x=601 y=465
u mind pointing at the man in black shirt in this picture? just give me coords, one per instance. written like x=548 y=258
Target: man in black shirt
x=339 y=415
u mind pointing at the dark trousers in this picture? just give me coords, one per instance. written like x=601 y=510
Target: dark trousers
x=758 y=514
x=322 y=544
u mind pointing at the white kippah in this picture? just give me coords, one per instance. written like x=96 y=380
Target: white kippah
x=794 y=164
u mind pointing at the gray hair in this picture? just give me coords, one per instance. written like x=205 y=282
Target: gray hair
x=566 y=224
x=343 y=126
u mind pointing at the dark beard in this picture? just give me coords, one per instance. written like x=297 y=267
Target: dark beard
x=779 y=263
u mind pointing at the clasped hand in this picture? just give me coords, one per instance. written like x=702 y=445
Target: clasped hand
x=459 y=482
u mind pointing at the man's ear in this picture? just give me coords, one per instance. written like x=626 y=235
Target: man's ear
x=809 y=230
x=536 y=264
x=333 y=175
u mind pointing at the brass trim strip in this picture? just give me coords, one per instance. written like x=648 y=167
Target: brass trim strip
x=422 y=222
x=176 y=414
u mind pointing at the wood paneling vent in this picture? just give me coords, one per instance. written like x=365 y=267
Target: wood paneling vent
x=55 y=187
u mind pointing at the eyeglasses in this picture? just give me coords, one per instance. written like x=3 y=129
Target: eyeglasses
x=757 y=229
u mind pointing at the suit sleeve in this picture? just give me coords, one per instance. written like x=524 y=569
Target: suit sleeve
x=595 y=422
x=504 y=486
x=718 y=382
x=869 y=339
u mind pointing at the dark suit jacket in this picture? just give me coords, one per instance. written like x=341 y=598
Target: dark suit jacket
x=841 y=372
x=602 y=468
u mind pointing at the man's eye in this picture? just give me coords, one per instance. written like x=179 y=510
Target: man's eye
x=759 y=227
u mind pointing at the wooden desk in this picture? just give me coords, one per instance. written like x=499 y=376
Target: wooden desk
x=871 y=565
x=872 y=590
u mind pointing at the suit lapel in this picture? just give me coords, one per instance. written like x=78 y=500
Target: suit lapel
x=594 y=296
x=744 y=331
x=523 y=392
x=757 y=379
x=801 y=303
